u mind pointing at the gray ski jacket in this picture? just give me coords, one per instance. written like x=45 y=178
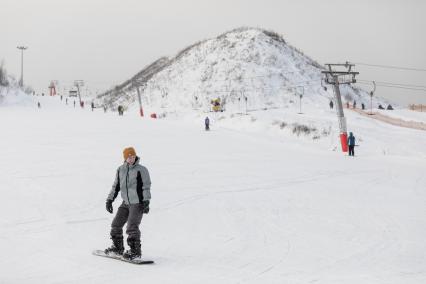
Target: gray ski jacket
x=134 y=183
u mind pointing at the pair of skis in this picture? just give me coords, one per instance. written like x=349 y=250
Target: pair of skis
x=119 y=257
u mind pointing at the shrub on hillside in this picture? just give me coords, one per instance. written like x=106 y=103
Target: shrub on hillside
x=274 y=36
x=302 y=129
x=3 y=76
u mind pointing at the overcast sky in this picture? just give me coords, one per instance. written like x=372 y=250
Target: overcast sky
x=105 y=42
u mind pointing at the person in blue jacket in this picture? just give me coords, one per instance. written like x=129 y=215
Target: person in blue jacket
x=207 y=123
x=351 y=144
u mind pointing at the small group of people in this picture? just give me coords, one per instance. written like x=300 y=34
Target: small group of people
x=331 y=104
x=389 y=107
x=353 y=104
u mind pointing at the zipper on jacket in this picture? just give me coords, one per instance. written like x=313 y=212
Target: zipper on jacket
x=127 y=187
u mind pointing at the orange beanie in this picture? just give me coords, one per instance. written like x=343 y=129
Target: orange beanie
x=127 y=152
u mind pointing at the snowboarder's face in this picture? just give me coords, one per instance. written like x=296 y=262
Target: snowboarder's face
x=131 y=160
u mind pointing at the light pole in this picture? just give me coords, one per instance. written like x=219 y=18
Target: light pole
x=22 y=48
x=300 y=96
x=371 y=98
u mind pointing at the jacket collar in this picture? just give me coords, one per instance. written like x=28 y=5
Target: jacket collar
x=137 y=161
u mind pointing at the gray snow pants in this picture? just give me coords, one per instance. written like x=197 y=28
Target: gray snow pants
x=132 y=214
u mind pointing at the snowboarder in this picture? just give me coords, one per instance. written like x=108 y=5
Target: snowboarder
x=351 y=144
x=331 y=104
x=207 y=123
x=133 y=180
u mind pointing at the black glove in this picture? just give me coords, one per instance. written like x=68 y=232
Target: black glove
x=145 y=204
x=109 y=206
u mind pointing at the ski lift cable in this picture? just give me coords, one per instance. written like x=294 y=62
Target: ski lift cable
x=396 y=84
x=392 y=67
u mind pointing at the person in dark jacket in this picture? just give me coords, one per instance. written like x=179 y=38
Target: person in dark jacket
x=207 y=123
x=134 y=182
x=351 y=144
x=120 y=110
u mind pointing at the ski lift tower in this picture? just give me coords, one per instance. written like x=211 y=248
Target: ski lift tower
x=78 y=84
x=52 y=87
x=137 y=84
x=337 y=74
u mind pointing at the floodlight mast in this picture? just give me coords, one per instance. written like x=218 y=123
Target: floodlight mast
x=22 y=48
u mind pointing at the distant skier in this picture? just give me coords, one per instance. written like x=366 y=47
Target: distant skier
x=74 y=103
x=207 y=123
x=354 y=104
x=363 y=106
x=38 y=105
x=331 y=104
x=120 y=110
x=92 y=105
x=133 y=180
x=347 y=104
x=351 y=144
x=105 y=108
x=66 y=101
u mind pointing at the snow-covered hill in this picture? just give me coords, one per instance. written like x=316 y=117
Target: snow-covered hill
x=10 y=92
x=10 y=96
x=228 y=206
x=247 y=68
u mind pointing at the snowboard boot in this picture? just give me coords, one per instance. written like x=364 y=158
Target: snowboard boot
x=117 y=247
x=135 y=250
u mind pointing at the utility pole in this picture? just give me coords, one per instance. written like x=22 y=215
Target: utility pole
x=136 y=85
x=245 y=99
x=78 y=84
x=22 y=48
x=335 y=78
x=300 y=97
x=371 y=98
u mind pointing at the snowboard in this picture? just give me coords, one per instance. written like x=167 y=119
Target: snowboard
x=119 y=257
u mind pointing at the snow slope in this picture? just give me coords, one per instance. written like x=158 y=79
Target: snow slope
x=15 y=97
x=238 y=204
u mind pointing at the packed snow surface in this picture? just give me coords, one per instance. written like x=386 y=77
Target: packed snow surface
x=247 y=202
